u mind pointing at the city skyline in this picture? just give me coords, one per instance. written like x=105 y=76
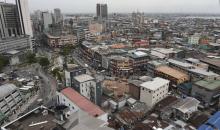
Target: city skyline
x=151 y=6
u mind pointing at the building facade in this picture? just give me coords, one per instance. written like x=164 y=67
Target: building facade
x=87 y=86
x=207 y=92
x=9 y=21
x=121 y=66
x=57 y=15
x=47 y=20
x=25 y=19
x=19 y=43
x=102 y=11
x=71 y=72
x=154 y=91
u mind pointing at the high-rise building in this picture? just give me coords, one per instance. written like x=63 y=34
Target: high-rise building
x=57 y=15
x=9 y=20
x=47 y=20
x=102 y=11
x=25 y=19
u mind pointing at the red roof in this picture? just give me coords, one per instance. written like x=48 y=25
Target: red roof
x=82 y=102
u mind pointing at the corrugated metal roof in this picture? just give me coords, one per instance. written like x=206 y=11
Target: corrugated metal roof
x=82 y=102
x=205 y=127
x=6 y=89
x=215 y=120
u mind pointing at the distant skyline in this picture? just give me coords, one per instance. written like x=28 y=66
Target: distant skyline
x=128 y=6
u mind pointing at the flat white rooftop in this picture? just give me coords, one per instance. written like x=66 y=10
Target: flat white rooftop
x=155 y=84
x=83 y=78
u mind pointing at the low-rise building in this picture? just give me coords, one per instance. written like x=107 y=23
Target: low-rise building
x=152 y=65
x=175 y=76
x=139 y=60
x=163 y=53
x=207 y=91
x=154 y=91
x=60 y=41
x=185 y=108
x=10 y=99
x=214 y=64
x=86 y=85
x=75 y=102
x=72 y=71
x=121 y=66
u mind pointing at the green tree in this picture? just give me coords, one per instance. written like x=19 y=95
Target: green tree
x=3 y=62
x=31 y=58
x=44 y=62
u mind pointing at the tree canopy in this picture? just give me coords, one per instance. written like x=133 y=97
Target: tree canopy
x=3 y=62
x=44 y=62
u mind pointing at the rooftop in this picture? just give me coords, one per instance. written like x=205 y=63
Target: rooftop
x=83 y=78
x=203 y=72
x=35 y=120
x=186 y=103
x=209 y=84
x=6 y=89
x=213 y=123
x=179 y=63
x=138 y=54
x=82 y=102
x=155 y=84
x=172 y=72
x=213 y=61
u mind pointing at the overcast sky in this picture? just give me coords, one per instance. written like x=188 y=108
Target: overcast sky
x=89 y=6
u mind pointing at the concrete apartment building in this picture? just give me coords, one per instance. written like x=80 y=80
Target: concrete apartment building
x=86 y=85
x=10 y=99
x=154 y=91
x=121 y=66
x=175 y=76
x=207 y=92
x=71 y=71
x=60 y=41
x=139 y=59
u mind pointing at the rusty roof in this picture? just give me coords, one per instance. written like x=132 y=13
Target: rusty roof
x=82 y=102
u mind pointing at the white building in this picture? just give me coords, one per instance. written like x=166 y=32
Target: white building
x=77 y=102
x=87 y=86
x=47 y=19
x=25 y=18
x=154 y=91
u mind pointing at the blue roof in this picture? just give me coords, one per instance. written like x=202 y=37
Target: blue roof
x=205 y=127
x=215 y=120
